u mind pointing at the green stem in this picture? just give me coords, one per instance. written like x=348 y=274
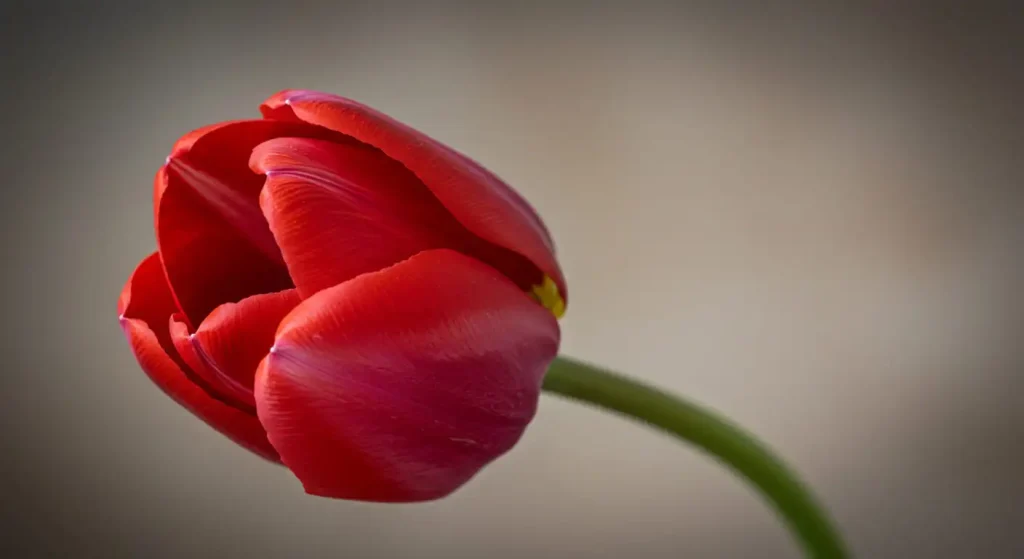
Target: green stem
x=716 y=436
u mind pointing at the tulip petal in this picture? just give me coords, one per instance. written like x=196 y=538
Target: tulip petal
x=399 y=385
x=477 y=198
x=215 y=243
x=203 y=375
x=144 y=307
x=338 y=211
x=229 y=345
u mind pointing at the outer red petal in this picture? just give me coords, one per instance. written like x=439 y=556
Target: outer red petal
x=400 y=385
x=338 y=211
x=215 y=244
x=476 y=197
x=231 y=342
x=144 y=306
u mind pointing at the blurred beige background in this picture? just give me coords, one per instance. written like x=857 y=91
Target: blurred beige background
x=810 y=221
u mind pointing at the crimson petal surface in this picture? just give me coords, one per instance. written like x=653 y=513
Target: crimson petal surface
x=399 y=385
x=477 y=198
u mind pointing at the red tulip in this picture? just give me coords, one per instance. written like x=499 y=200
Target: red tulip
x=338 y=292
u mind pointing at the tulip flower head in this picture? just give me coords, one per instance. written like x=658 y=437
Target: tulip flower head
x=340 y=293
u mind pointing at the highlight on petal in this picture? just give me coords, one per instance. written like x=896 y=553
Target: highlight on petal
x=399 y=385
x=215 y=243
x=477 y=198
x=228 y=346
x=144 y=307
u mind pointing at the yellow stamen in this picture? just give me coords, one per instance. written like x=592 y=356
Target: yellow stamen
x=548 y=296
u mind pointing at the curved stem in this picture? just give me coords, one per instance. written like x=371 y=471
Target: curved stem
x=727 y=443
